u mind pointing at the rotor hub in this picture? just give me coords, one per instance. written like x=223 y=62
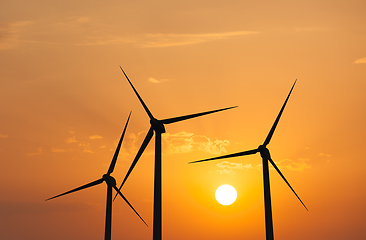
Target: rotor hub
x=109 y=180
x=157 y=125
x=263 y=150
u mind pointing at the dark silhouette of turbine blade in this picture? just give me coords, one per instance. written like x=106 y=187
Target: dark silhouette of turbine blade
x=129 y=204
x=113 y=163
x=148 y=137
x=177 y=119
x=250 y=152
x=283 y=177
x=142 y=102
x=268 y=139
x=99 y=181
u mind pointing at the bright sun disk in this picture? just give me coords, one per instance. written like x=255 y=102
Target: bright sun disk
x=226 y=194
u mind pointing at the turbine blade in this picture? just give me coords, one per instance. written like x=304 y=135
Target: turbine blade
x=283 y=177
x=114 y=160
x=229 y=156
x=119 y=192
x=139 y=153
x=178 y=119
x=99 y=181
x=137 y=94
x=268 y=139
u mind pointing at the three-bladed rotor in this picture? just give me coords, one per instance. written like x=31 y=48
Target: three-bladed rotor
x=111 y=184
x=158 y=126
x=262 y=149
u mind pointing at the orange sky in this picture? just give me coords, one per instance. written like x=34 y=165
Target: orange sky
x=64 y=103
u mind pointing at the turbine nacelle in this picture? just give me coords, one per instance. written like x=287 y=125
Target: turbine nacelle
x=263 y=150
x=111 y=183
x=109 y=180
x=157 y=125
x=266 y=157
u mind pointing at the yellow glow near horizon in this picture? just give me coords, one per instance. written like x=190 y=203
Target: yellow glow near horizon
x=226 y=194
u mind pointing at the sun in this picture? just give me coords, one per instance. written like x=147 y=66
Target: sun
x=226 y=194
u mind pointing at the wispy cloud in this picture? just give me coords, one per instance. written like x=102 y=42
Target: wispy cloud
x=177 y=143
x=228 y=167
x=158 y=40
x=58 y=150
x=95 y=137
x=10 y=33
x=86 y=147
x=298 y=165
x=82 y=19
x=87 y=31
x=153 y=80
x=170 y=40
x=37 y=151
x=71 y=140
x=81 y=143
x=360 y=60
x=184 y=142
x=181 y=142
x=214 y=147
x=3 y=136
x=324 y=155
x=131 y=144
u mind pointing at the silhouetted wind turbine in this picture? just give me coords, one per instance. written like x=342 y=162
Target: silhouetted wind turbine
x=264 y=152
x=157 y=126
x=111 y=183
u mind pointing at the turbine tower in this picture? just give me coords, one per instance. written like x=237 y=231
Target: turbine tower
x=157 y=126
x=264 y=152
x=111 y=183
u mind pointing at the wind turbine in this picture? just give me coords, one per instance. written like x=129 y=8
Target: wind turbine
x=111 y=183
x=157 y=126
x=264 y=152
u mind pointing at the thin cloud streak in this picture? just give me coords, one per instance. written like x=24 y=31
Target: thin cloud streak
x=82 y=19
x=10 y=33
x=360 y=60
x=153 y=80
x=171 y=40
x=309 y=29
x=158 y=40
x=108 y=40
x=95 y=137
